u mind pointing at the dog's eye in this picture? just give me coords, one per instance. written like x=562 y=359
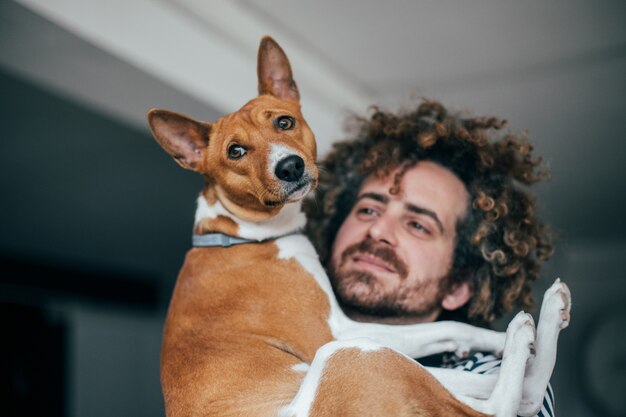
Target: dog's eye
x=285 y=122
x=236 y=152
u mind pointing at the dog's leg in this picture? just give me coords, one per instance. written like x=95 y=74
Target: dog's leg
x=362 y=378
x=507 y=394
x=497 y=394
x=554 y=317
x=426 y=339
x=465 y=384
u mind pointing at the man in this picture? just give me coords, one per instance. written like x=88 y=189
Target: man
x=423 y=217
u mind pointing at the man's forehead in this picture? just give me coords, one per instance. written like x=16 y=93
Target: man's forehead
x=427 y=184
x=380 y=186
x=384 y=185
x=380 y=189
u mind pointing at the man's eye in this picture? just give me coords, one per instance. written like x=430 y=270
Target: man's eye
x=418 y=226
x=366 y=211
x=285 y=122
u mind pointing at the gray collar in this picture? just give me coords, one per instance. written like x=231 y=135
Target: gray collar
x=220 y=239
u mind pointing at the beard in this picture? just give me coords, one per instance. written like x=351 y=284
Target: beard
x=364 y=291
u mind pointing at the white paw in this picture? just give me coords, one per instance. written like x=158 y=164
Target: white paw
x=521 y=332
x=494 y=343
x=462 y=351
x=556 y=305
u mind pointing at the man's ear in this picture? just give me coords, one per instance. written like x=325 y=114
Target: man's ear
x=182 y=137
x=458 y=297
x=274 y=71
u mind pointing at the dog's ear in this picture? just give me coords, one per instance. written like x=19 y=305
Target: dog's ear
x=274 y=71
x=182 y=137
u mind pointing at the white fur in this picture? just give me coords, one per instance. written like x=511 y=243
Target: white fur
x=467 y=384
x=495 y=394
x=278 y=152
x=554 y=317
x=290 y=219
x=507 y=393
x=301 y=367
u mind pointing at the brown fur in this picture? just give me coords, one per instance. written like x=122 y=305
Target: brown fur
x=240 y=318
x=230 y=338
x=242 y=187
x=387 y=384
x=222 y=223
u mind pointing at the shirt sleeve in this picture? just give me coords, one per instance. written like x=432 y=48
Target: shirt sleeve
x=487 y=364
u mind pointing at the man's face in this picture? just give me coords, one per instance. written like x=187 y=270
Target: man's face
x=393 y=252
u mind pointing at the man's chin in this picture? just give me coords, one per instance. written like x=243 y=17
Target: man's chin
x=361 y=295
x=364 y=293
x=365 y=304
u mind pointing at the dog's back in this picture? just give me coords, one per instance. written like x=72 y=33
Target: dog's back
x=239 y=324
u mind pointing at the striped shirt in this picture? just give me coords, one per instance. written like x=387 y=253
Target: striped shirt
x=483 y=363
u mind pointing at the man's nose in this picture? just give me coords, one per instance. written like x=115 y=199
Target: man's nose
x=383 y=230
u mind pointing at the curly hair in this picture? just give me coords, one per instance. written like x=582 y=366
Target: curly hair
x=499 y=242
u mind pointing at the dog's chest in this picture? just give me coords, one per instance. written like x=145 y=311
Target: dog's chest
x=275 y=288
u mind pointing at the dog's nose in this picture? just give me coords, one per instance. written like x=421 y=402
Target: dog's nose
x=290 y=169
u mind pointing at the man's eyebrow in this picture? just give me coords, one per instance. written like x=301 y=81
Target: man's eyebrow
x=410 y=207
x=425 y=211
x=374 y=196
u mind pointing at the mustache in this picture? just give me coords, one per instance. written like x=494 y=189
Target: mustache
x=384 y=253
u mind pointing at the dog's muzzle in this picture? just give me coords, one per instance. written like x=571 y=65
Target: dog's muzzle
x=290 y=169
x=295 y=180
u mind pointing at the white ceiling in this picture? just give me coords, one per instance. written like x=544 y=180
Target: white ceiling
x=555 y=69
x=391 y=47
x=349 y=54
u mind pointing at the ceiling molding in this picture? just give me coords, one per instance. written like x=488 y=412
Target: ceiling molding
x=211 y=58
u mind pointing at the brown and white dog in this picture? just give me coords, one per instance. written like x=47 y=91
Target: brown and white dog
x=254 y=329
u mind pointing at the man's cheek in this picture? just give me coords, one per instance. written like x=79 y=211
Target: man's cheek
x=348 y=234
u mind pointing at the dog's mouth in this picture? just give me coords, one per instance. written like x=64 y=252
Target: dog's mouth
x=298 y=187
x=295 y=193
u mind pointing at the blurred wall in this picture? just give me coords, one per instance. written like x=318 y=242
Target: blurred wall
x=96 y=219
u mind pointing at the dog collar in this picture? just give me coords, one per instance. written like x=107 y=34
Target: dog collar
x=220 y=239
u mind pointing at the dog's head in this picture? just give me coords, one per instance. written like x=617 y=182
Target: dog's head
x=256 y=159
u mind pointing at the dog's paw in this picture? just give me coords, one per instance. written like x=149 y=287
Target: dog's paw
x=556 y=305
x=462 y=351
x=521 y=333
